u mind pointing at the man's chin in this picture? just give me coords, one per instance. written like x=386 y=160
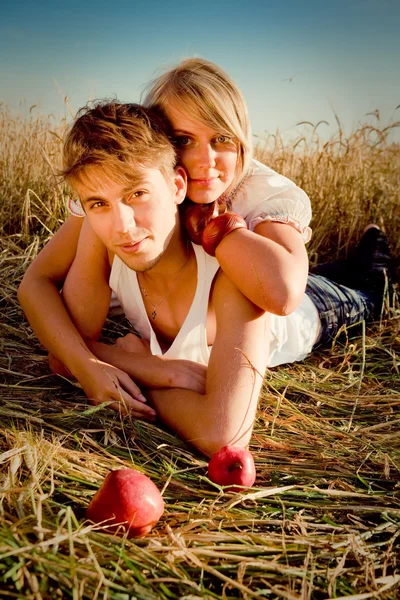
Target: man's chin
x=140 y=265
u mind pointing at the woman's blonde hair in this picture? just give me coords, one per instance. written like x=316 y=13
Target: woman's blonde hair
x=206 y=93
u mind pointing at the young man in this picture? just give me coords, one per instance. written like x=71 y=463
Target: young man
x=122 y=166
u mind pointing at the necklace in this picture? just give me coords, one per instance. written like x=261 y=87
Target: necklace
x=144 y=292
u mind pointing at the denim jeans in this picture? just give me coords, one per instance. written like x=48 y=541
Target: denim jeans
x=349 y=291
x=338 y=305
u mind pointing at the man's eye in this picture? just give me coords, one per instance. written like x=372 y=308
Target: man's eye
x=136 y=195
x=97 y=204
x=181 y=141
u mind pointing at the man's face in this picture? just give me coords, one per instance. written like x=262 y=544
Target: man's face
x=136 y=222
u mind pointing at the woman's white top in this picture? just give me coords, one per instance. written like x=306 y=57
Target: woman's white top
x=264 y=195
x=292 y=337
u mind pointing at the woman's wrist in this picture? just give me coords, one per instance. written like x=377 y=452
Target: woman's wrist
x=218 y=228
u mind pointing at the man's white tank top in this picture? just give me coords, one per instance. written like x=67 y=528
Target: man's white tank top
x=191 y=341
x=291 y=338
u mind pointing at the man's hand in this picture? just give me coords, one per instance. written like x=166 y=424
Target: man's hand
x=225 y=414
x=171 y=372
x=133 y=343
x=186 y=374
x=102 y=382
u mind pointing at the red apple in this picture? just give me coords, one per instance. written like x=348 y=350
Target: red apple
x=232 y=465
x=128 y=497
x=196 y=217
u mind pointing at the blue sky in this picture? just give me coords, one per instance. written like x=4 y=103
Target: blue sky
x=294 y=60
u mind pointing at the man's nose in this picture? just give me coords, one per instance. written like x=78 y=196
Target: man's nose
x=124 y=218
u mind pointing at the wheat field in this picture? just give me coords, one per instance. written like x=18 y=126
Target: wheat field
x=323 y=519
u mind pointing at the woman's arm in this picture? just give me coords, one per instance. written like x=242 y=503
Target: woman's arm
x=225 y=413
x=269 y=266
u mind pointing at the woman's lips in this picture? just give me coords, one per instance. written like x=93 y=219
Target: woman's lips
x=208 y=182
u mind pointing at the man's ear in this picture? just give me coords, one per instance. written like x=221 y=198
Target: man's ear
x=180 y=181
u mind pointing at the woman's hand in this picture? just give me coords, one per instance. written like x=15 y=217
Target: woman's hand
x=195 y=217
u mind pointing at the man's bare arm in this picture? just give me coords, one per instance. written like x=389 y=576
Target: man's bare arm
x=225 y=413
x=39 y=293
x=41 y=301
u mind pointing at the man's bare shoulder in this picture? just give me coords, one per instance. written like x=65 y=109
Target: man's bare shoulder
x=226 y=298
x=93 y=251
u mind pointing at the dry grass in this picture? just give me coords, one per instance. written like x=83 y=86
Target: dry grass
x=352 y=181
x=324 y=518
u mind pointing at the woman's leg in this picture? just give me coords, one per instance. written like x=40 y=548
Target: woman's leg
x=337 y=305
x=365 y=266
x=348 y=292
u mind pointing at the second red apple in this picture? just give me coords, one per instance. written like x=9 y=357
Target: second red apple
x=233 y=466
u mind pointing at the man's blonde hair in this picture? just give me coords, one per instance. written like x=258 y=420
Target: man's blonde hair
x=121 y=139
x=206 y=93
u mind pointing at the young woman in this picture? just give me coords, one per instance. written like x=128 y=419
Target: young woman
x=261 y=245
x=264 y=255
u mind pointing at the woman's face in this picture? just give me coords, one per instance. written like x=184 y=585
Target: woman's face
x=208 y=156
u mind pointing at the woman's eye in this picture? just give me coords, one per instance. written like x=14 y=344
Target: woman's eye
x=183 y=140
